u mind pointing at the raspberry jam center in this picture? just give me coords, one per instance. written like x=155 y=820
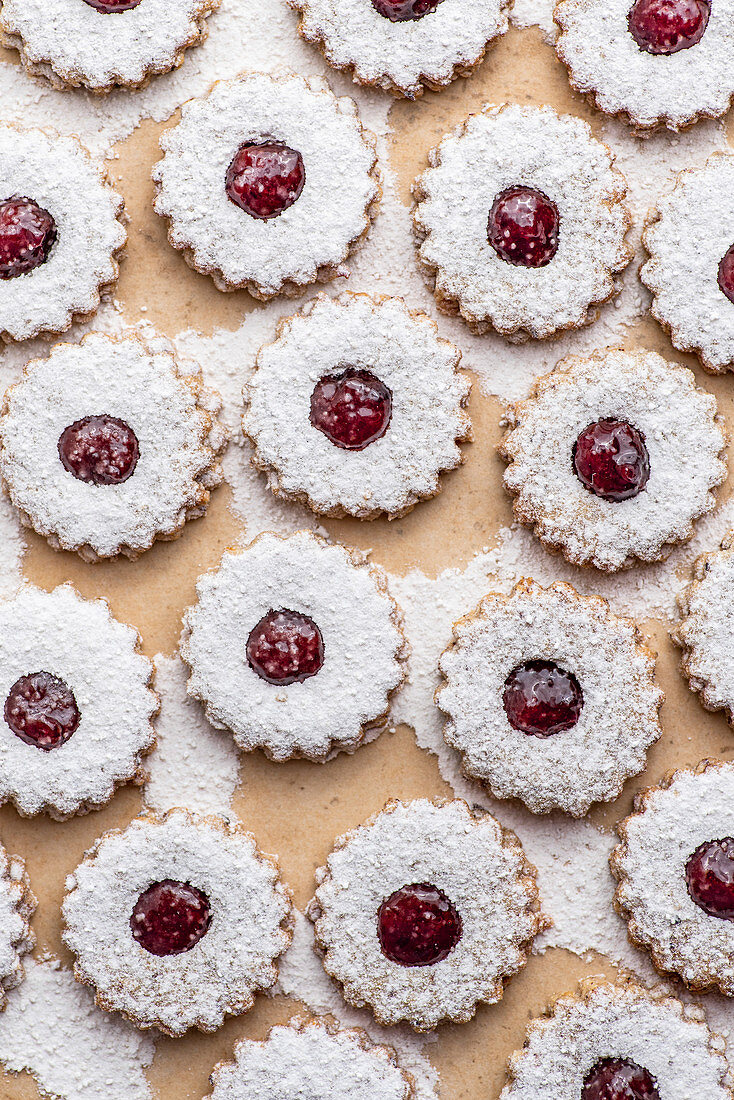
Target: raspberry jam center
x=109 y=7
x=170 y=917
x=27 y=235
x=41 y=710
x=710 y=877
x=726 y=274
x=400 y=11
x=619 y=1079
x=418 y=925
x=523 y=227
x=667 y=26
x=100 y=449
x=541 y=699
x=611 y=460
x=265 y=179
x=285 y=646
x=352 y=408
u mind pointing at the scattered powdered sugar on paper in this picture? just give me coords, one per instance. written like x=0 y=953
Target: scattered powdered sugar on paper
x=52 y=1028
x=535 y=13
x=193 y=764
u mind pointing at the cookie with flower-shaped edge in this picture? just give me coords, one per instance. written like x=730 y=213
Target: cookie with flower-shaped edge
x=109 y=444
x=17 y=905
x=103 y=44
x=549 y=697
x=521 y=222
x=177 y=921
x=425 y=911
x=61 y=232
x=706 y=630
x=268 y=183
x=370 y=418
x=77 y=702
x=313 y=1058
x=654 y=63
x=612 y=457
x=296 y=646
x=693 y=288
x=618 y=1040
x=675 y=873
x=402 y=46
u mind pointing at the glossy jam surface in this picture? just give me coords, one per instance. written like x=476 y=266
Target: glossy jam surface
x=611 y=460
x=710 y=877
x=27 y=235
x=100 y=449
x=285 y=646
x=418 y=925
x=170 y=917
x=726 y=274
x=400 y=11
x=523 y=227
x=265 y=179
x=618 y=1079
x=667 y=26
x=110 y=7
x=542 y=699
x=352 y=408
x=41 y=710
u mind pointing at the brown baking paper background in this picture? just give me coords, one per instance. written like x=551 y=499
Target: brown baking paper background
x=297 y=809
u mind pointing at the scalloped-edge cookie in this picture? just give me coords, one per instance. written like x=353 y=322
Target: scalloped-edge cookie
x=403 y=46
x=17 y=905
x=103 y=44
x=248 y=182
x=371 y=416
x=296 y=646
x=521 y=222
x=613 y=456
x=549 y=697
x=675 y=873
x=425 y=911
x=316 y=1058
x=108 y=445
x=177 y=921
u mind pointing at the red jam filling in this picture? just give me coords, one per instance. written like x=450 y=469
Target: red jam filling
x=418 y=925
x=41 y=710
x=265 y=179
x=109 y=7
x=352 y=408
x=170 y=917
x=619 y=1079
x=285 y=646
x=27 y=235
x=726 y=274
x=667 y=26
x=523 y=227
x=100 y=449
x=400 y=11
x=542 y=699
x=710 y=877
x=611 y=460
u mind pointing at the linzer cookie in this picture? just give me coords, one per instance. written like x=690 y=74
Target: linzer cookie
x=613 y=457
x=176 y=921
x=61 y=232
x=549 y=697
x=371 y=417
x=268 y=183
x=618 y=1041
x=317 y=1060
x=705 y=632
x=295 y=646
x=77 y=703
x=675 y=872
x=693 y=287
x=103 y=44
x=653 y=62
x=522 y=222
x=17 y=905
x=425 y=911
x=107 y=446
x=403 y=45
